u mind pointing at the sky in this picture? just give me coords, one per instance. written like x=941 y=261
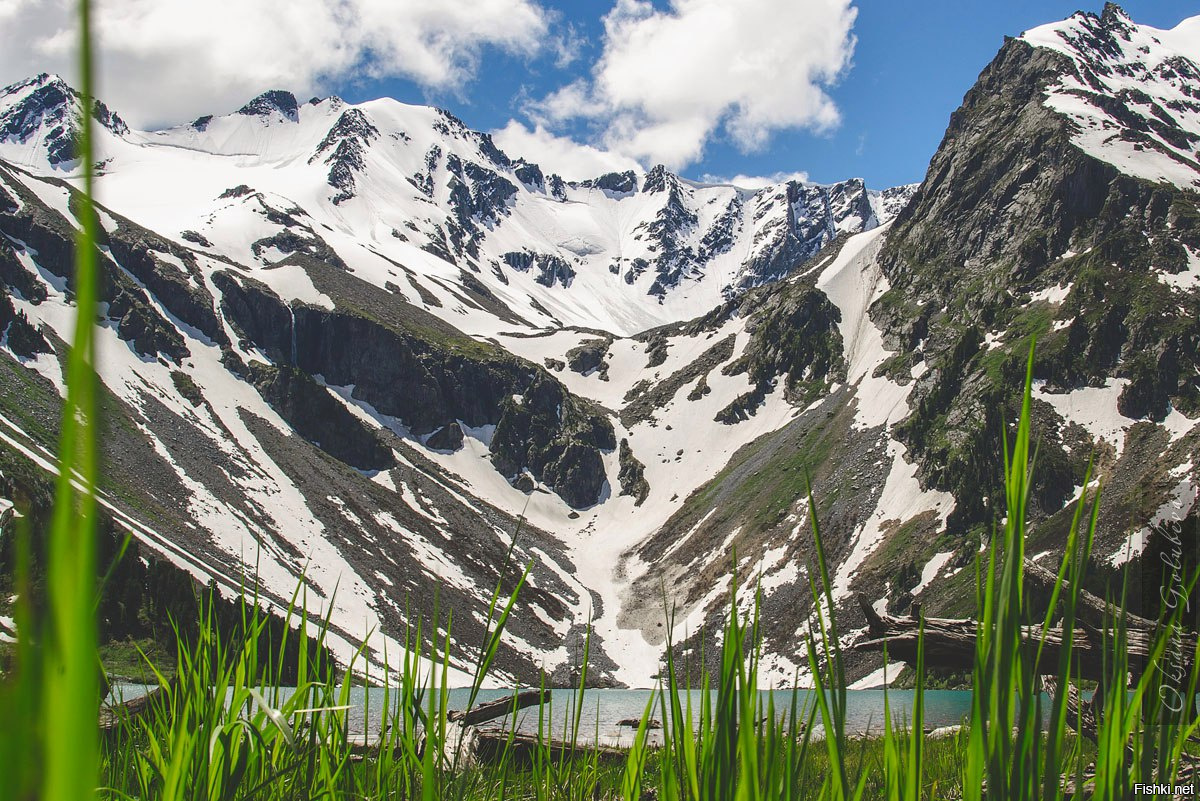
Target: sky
x=735 y=90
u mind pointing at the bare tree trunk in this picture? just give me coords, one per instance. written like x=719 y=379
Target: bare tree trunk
x=950 y=643
x=496 y=709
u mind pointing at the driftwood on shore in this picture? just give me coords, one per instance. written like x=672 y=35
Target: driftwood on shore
x=112 y=715
x=497 y=709
x=950 y=642
x=1091 y=608
x=471 y=743
x=490 y=746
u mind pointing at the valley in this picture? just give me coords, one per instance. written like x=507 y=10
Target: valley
x=361 y=346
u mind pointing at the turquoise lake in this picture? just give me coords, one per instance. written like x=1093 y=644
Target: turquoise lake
x=604 y=709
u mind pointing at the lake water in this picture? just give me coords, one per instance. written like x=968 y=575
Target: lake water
x=604 y=709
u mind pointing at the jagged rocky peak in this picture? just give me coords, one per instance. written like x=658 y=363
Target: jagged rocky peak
x=850 y=206
x=450 y=126
x=271 y=102
x=1131 y=92
x=346 y=144
x=529 y=174
x=351 y=125
x=890 y=202
x=659 y=180
x=620 y=183
x=44 y=110
x=1058 y=204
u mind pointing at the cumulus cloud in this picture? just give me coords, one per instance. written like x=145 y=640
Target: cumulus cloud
x=170 y=60
x=669 y=80
x=757 y=181
x=560 y=154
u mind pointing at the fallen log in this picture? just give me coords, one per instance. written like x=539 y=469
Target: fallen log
x=113 y=715
x=950 y=643
x=490 y=746
x=461 y=732
x=1081 y=715
x=1091 y=607
x=497 y=709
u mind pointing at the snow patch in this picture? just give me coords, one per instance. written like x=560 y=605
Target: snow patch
x=931 y=570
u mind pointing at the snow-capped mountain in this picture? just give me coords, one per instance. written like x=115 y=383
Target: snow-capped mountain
x=39 y=122
x=359 y=342
x=387 y=182
x=1131 y=92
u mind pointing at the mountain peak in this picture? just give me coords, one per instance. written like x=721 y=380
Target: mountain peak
x=273 y=100
x=1152 y=132
x=1113 y=15
x=658 y=179
x=50 y=87
x=41 y=113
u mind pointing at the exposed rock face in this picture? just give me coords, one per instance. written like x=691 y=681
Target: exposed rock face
x=550 y=269
x=447 y=438
x=344 y=148
x=891 y=201
x=18 y=333
x=669 y=231
x=319 y=418
x=794 y=335
x=589 y=356
x=633 y=475
x=46 y=233
x=429 y=385
x=477 y=192
x=148 y=257
x=274 y=101
x=793 y=221
x=616 y=182
x=558 y=438
x=1018 y=230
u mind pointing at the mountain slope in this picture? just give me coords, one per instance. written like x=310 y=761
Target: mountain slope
x=291 y=293
x=363 y=339
x=384 y=182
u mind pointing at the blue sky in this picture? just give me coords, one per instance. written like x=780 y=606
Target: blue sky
x=823 y=89
x=911 y=64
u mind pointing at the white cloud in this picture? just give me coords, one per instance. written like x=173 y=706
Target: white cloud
x=668 y=81
x=171 y=60
x=757 y=181
x=568 y=46
x=560 y=154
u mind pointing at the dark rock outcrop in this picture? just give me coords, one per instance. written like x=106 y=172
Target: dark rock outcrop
x=319 y=418
x=273 y=101
x=144 y=254
x=344 y=148
x=428 y=376
x=447 y=438
x=551 y=269
x=589 y=356
x=556 y=436
x=620 y=183
x=633 y=475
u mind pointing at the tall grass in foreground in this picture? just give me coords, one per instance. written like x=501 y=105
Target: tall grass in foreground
x=48 y=733
x=225 y=727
